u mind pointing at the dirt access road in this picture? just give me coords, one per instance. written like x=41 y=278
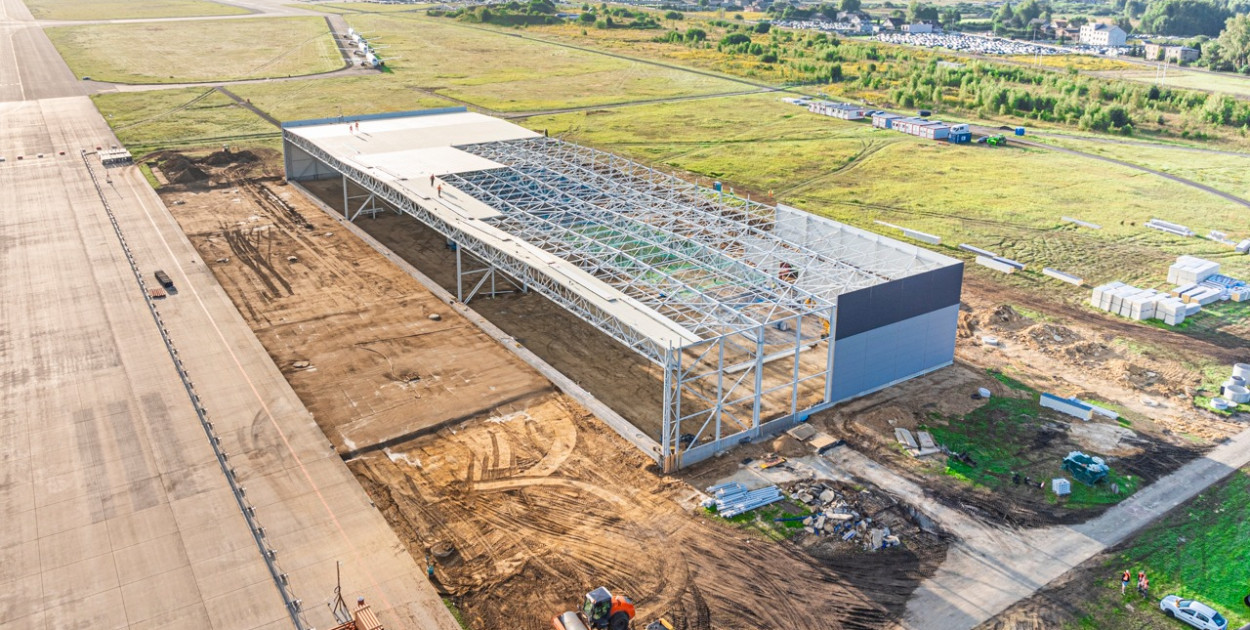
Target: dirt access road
x=522 y=498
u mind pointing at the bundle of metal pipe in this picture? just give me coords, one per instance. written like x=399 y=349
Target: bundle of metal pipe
x=733 y=498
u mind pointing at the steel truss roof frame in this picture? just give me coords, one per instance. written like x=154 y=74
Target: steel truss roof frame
x=522 y=271
x=708 y=260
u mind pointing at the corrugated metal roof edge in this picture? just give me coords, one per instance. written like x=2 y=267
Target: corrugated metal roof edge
x=311 y=122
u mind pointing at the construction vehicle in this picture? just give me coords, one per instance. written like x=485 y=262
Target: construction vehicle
x=164 y=279
x=771 y=460
x=600 y=609
x=1086 y=469
x=994 y=141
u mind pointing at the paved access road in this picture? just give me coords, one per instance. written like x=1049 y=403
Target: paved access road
x=115 y=510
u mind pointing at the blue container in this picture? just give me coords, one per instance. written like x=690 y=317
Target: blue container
x=1019 y=131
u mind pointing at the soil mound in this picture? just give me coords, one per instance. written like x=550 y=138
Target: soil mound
x=967 y=325
x=223 y=158
x=1045 y=337
x=180 y=170
x=787 y=446
x=1004 y=317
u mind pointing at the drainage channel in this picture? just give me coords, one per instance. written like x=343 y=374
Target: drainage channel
x=281 y=580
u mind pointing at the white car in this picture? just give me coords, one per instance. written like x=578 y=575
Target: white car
x=1196 y=614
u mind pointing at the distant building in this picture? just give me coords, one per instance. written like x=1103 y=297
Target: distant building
x=892 y=24
x=845 y=111
x=1041 y=27
x=922 y=27
x=853 y=23
x=931 y=129
x=1103 y=35
x=1165 y=52
x=885 y=120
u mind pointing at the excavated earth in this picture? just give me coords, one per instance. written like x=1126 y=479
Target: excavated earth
x=520 y=499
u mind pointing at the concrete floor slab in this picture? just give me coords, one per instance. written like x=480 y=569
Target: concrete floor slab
x=143 y=525
x=100 y=611
x=193 y=617
x=150 y=558
x=73 y=545
x=160 y=594
x=79 y=580
x=244 y=608
x=18 y=561
x=115 y=510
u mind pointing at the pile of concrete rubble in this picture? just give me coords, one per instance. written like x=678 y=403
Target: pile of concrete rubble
x=841 y=514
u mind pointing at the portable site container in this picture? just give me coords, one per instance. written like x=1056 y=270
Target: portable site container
x=884 y=120
x=935 y=131
x=960 y=134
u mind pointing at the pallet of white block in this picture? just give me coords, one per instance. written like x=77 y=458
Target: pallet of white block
x=1139 y=304
x=1065 y=277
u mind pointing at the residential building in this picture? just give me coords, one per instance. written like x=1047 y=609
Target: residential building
x=1098 y=34
x=853 y=23
x=892 y=24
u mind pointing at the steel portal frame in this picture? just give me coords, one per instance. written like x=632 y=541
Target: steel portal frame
x=762 y=306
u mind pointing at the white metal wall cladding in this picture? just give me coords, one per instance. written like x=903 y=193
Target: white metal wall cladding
x=873 y=359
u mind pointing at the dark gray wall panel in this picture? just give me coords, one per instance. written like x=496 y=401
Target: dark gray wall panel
x=898 y=300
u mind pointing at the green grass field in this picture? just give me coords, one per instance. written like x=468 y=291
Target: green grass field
x=210 y=50
x=347 y=8
x=127 y=9
x=1208 y=81
x=1197 y=551
x=1224 y=172
x=319 y=98
x=960 y=193
x=180 y=119
x=510 y=74
x=1001 y=437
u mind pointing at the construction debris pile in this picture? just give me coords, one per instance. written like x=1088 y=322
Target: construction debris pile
x=846 y=517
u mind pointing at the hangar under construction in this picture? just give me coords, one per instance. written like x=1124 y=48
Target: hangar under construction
x=757 y=314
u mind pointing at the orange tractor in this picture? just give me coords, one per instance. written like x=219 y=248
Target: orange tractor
x=600 y=609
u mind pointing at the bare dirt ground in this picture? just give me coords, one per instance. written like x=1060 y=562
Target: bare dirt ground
x=521 y=498
x=344 y=328
x=1067 y=352
x=621 y=378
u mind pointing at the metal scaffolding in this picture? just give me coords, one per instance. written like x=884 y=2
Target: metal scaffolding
x=750 y=289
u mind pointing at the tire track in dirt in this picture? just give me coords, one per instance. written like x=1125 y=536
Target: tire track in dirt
x=586 y=514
